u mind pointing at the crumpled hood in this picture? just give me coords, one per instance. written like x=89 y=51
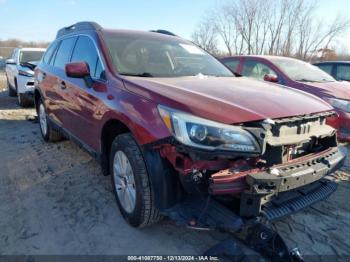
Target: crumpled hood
x=29 y=65
x=330 y=89
x=227 y=99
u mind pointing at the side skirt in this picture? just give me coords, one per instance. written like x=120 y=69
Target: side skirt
x=92 y=152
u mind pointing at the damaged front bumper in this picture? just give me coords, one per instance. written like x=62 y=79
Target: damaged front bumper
x=296 y=153
x=259 y=188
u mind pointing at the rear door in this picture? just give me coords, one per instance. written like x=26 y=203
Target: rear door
x=52 y=81
x=46 y=81
x=85 y=101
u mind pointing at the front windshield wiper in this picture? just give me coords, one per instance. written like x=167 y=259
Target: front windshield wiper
x=314 y=81
x=237 y=75
x=327 y=80
x=144 y=74
x=210 y=75
x=305 y=80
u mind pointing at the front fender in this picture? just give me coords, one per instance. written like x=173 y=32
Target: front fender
x=164 y=179
x=139 y=114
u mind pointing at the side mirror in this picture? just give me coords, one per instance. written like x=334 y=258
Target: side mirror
x=271 y=78
x=10 y=61
x=77 y=70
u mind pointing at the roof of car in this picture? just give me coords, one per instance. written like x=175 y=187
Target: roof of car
x=80 y=27
x=32 y=49
x=150 y=34
x=268 y=57
x=332 y=62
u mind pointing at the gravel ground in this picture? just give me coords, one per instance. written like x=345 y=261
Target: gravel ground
x=2 y=81
x=54 y=200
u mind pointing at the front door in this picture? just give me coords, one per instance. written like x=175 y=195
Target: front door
x=84 y=100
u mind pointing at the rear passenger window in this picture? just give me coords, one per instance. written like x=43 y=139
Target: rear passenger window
x=64 y=52
x=232 y=65
x=85 y=51
x=49 y=52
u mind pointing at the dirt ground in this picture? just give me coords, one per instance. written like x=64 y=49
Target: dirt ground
x=55 y=201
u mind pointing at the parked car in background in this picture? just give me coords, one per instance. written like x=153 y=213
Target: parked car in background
x=20 y=74
x=2 y=63
x=170 y=122
x=299 y=75
x=340 y=70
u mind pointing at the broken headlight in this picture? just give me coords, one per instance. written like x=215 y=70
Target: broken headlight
x=206 y=134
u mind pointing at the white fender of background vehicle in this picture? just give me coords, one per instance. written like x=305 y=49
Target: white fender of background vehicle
x=20 y=75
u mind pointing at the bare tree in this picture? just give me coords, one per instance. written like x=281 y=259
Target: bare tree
x=225 y=28
x=206 y=37
x=325 y=35
x=276 y=27
x=6 y=46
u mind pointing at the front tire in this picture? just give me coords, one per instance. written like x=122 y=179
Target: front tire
x=131 y=183
x=23 y=100
x=11 y=91
x=48 y=133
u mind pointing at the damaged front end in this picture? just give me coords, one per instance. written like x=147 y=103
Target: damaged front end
x=275 y=168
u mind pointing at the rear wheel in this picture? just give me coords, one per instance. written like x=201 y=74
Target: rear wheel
x=48 y=133
x=131 y=183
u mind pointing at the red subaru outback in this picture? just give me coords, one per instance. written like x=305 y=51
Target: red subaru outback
x=169 y=122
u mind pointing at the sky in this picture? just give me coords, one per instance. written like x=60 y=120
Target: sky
x=39 y=20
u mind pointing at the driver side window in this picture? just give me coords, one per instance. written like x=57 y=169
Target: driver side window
x=85 y=51
x=257 y=70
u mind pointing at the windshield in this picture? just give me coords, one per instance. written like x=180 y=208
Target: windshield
x=301 y=71
x=30 y=56
x=149 y=56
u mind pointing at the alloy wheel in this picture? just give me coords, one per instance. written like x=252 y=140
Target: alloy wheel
x=42 y=119
x=124 y=181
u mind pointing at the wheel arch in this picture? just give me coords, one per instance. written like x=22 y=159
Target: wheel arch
x=163 y=178
x=110 y=130
x=37 y=96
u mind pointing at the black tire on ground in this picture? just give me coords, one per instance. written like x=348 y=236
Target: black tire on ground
x=51 y=134
x=24 y=101
x=11 y=90
x=144 y=213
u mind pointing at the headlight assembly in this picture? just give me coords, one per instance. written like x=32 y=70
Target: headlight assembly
x=206 y=134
